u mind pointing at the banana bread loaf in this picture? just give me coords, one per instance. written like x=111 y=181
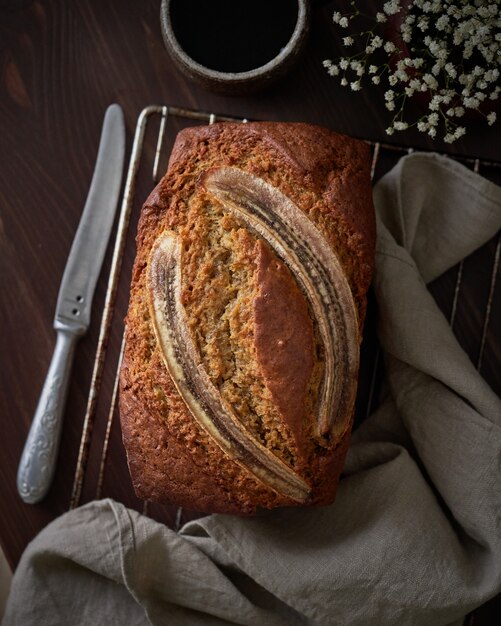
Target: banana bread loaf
x=254 y=255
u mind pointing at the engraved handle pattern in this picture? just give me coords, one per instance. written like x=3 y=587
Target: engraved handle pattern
x=38 y=460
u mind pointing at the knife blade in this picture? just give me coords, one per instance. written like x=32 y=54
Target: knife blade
x=73 y=308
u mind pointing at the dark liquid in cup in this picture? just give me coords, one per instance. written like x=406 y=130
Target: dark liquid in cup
x=233 y=35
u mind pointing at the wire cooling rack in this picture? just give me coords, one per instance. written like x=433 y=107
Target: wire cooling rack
x=154 y=133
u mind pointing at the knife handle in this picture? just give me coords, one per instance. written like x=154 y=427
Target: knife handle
x=38 y=460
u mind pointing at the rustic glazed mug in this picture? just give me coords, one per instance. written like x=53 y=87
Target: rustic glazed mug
x=234 y=46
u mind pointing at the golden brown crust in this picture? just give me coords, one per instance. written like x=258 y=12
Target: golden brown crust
x=171 y=458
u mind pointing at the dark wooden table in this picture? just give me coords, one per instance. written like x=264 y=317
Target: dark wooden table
x=62 y=64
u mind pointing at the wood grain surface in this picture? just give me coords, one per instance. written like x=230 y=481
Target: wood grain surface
x=62 y=63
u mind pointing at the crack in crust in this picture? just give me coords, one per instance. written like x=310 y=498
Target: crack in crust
x=297 y=241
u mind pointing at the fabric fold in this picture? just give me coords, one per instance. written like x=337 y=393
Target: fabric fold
x=436 y=209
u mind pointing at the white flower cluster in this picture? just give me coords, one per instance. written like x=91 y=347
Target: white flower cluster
x=449 y=51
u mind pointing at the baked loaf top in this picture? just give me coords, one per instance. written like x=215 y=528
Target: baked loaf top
x=254 y=255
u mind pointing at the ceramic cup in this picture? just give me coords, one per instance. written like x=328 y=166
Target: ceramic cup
x=234 y=47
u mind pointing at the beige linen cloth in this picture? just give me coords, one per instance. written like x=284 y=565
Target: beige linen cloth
x=414 y=536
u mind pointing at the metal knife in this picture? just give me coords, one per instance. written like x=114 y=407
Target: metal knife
x=72 y=318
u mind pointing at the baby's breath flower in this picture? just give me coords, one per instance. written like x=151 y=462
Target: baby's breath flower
x=471 y=103
x=468 y=51
x=431 y=81
x=356 y=66
x=435 y=103
x=494 y=95
x=451 y=70
x=453 y=55
x=391 y=7
x=491 y=75
x=434 y=47
x=423 y=24
x=436 y=69
x=442 y=22
x=433 y=119
x=406 y=32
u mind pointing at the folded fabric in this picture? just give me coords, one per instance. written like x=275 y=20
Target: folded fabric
x=414 y=537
